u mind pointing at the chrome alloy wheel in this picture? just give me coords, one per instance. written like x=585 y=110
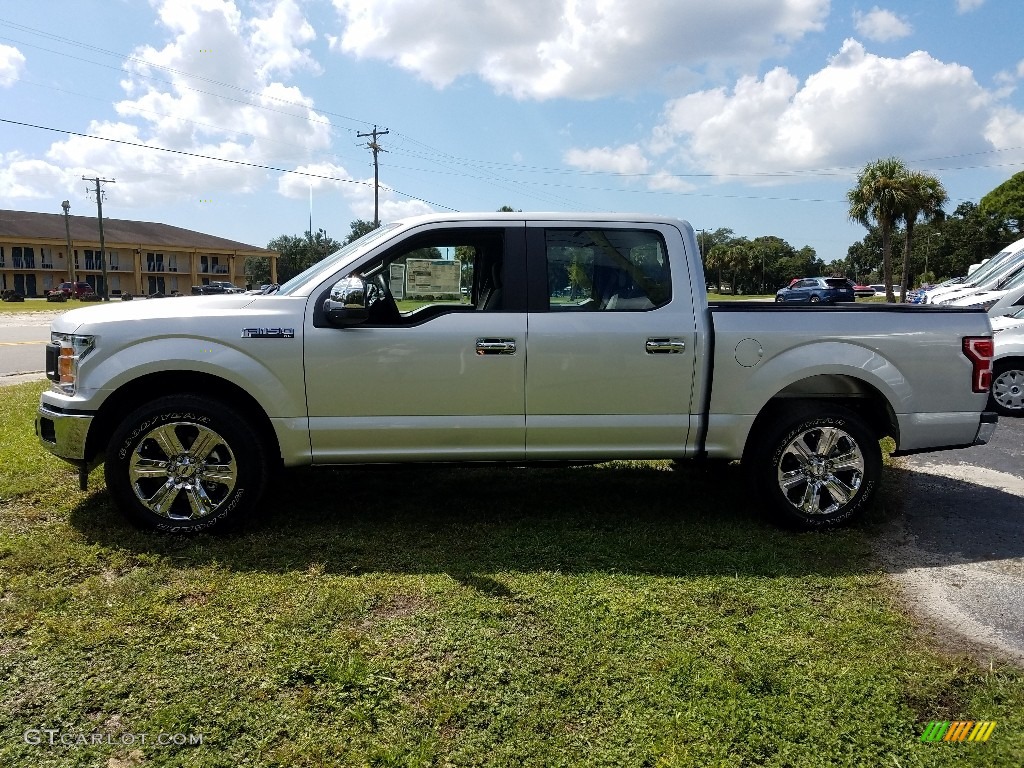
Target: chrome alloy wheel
x=1008 y=389
x=820 y=470
x=182 y=471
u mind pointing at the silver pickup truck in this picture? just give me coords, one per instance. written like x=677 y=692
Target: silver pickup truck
x=505 y=338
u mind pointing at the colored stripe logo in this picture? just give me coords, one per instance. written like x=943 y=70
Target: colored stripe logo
x=958 y=730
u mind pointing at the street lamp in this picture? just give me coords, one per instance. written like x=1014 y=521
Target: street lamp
x=927 y=253
x=72 y=272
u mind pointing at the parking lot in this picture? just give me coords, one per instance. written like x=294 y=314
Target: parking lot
x=957 y=549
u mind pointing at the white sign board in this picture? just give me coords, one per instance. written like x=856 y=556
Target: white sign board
x=432 y=277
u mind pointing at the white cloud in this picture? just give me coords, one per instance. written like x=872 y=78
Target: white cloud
x=276 y=39
x=1005 y=130
x=391 y=205
x=881 y=26
x=316 y=176
x=26 y=177
x=858 y=107
x=212 y=93
x=966 y=6
x=570 y=48
x=627 y=159
x=12 y=62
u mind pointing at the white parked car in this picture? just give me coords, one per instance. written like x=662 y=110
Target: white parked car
x=1008 y=364
x=986 y=278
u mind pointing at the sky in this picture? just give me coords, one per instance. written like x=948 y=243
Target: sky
x=245 y=119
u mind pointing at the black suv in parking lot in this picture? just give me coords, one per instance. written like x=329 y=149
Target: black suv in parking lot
x=215 y=287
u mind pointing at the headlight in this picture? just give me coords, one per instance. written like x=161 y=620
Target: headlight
x=69 y=350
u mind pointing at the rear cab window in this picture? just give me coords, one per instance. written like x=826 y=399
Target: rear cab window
x=606 y=270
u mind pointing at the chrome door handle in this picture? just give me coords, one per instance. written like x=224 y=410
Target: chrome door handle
x=495 y=346
x=665 y=346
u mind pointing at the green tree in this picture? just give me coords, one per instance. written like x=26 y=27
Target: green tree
x=739 y=258
x=296 y=254
x=1007 y=202
x=969 y=236
x=713 y=259
x=777 y=262
x=924 y=198
x=359 y=227
x=879 y=196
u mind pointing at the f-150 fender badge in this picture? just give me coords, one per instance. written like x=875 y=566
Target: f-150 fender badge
x=268 y=333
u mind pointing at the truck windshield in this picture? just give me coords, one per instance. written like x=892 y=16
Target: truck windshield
x=338 y=259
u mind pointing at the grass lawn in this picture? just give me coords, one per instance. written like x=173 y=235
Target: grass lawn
x=39 y=305
x=621 y=615
x=739 y=297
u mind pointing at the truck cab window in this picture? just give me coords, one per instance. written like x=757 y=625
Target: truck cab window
x=614 y=270
x=456 y=270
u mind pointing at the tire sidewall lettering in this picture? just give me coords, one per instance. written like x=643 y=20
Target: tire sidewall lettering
x=129 y=443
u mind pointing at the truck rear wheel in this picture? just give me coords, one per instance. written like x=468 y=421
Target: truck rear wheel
x=816 y=468
x=184 y=464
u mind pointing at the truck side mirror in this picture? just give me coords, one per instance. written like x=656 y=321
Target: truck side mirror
x=347 y=303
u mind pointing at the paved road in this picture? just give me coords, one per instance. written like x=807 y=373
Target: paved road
x=22 y=338
x=958 y=548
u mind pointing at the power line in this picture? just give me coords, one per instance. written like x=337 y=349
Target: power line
x=259 y=166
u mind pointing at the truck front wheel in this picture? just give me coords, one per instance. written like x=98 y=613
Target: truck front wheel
x=816 y=468
x=184 y=464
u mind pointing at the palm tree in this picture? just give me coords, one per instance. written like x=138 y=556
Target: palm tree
x=880 y=196
x=714 y=260
x=925 y=197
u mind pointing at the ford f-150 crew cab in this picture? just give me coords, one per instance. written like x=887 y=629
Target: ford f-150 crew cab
x=505 y=337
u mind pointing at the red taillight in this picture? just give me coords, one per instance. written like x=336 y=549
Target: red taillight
x=979 y=350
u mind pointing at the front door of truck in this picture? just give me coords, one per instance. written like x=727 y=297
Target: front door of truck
x=612 y=337
x=438 y=370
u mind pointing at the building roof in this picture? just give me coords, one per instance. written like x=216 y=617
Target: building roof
x=116 y=232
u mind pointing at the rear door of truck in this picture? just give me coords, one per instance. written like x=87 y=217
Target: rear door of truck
x=612 y=340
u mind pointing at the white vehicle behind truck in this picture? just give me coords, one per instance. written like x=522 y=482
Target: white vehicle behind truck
x=584 y=338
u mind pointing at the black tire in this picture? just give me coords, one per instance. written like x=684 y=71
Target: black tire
x=184 y=464
x=1007 y=393
x=815 y=299
x=811 y=484
x=779 y=299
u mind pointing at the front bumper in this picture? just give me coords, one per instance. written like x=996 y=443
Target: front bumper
x=63 y=434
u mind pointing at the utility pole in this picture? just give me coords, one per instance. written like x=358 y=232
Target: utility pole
x=72 y=270
x=375 y=148
x=99 y=212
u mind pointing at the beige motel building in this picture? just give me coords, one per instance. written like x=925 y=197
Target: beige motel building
x=142 y=257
